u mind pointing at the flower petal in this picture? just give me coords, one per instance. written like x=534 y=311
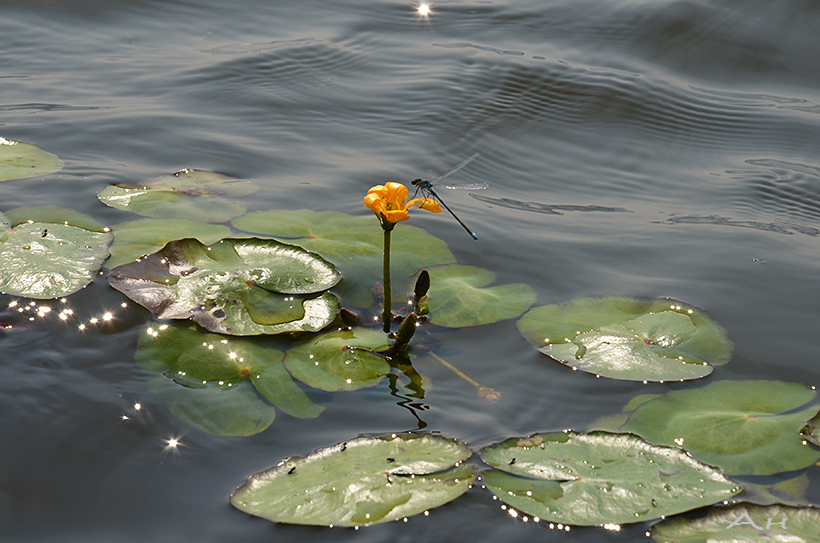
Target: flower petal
x=425 y=203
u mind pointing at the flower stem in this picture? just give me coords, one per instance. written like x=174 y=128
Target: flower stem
x=388 y=289
x=484 y=392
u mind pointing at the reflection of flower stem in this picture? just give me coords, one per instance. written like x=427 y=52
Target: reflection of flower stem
x=484 y=392
x=388 y=289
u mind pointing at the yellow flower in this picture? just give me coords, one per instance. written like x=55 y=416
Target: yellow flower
x=388 y=202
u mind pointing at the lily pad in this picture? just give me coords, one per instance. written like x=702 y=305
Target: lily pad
x=23 y=160
x=236 y=286
x=355 y=245
x=368 y=480
x=745 y=427
x=49 y=258
x=187 y=194
x=456 y=297
x=811 y=431
x=743 y=523
x=627 y=338
x=340 y=360
x=135 y=239
x=600 y=478
x=223 y=385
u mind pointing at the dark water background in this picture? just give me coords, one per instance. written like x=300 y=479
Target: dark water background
x=640 y=148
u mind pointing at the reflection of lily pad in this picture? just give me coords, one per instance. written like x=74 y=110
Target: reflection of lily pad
x=745 y=427
x=187 y=194
x=360 y=482
x=328 y=362
x=236 y=286
x=354 y=245
x=456 y=297
x=626 y=338
x=134 y=239
x=811 y=430
x=743 y=523
x=223 y=385
x=48 y=258
x=22 y=160
x=600 y=478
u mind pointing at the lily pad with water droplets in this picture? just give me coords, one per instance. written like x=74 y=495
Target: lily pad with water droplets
x=23 y=160
x=460 y=296
x=627 y=338
x=600 y=478
x=236 y=286
x=340 y=360
x=196 y=195
x=368 y=480
x=355 y=245
x=745 y=427
x=743 y=523
x=134 y=239
x=223 y=385
x=45 y=255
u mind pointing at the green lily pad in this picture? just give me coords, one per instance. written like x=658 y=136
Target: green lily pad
x=627 y=338
x=327 y=361
x=368 y=480
x=236 y=286
x=811 y=431
x=600 y=478
x=355 y=245
x=135 y=239
x=23 y=160
x=744 y=523
x=745 y=427
x=49 y=258
x=223 y=385
x=187 y=194
x=456 y=297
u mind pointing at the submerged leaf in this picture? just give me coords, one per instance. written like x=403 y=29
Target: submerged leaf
x=186 y=194
x=218 y=383
x=355 y=245
x=236 y=286
x=135 y=239
x=743 y=523
x=360 y=482
x=23 y=160
x=456 y=297
x=627 y=338
x=49 y=259
x=745 y=427
x=339 y=360
x=600 y=478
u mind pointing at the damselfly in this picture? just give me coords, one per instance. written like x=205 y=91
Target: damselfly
x=426 y=187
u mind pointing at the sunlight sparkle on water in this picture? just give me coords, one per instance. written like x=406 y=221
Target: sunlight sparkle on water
x=424 y=10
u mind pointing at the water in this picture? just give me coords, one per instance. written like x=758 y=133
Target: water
x=639 y=148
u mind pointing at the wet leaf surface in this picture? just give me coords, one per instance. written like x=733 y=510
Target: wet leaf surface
x=600 y=478
x=235 y=286
x=221 y=384
x=49 y=258
x=196 y=195
x=355 y=245
x=327 y=361
x=23 y=160
x=743 y=523
x=628 y=338
x=461 y=296
x=368 y=480
x=744 y=427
